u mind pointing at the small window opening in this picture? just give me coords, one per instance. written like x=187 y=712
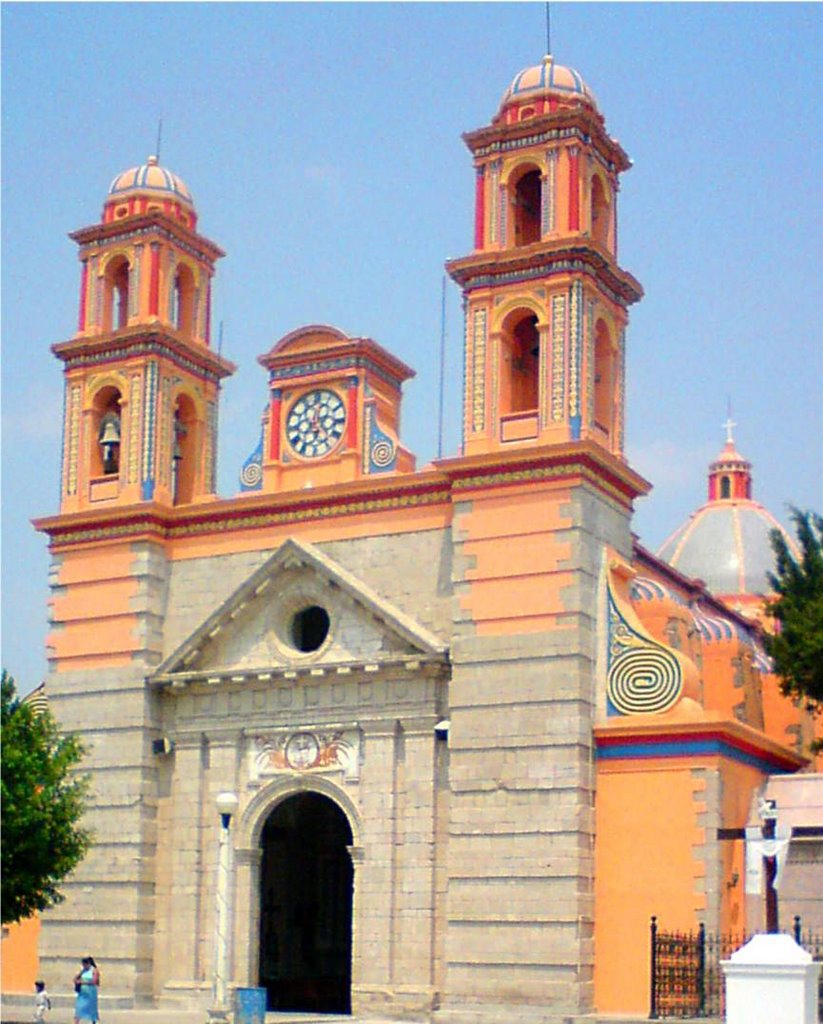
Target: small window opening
x=185 y=445
x=527 y=209
x=309 y=628
x=116 y=308
x=107 y=426
x=600 y=212
x=725 y=487
x=181 y=313
x=519 y=384
x=603 y=378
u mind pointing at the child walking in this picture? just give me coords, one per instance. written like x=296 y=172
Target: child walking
x=42 y=1003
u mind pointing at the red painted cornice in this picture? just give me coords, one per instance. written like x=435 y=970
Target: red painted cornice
x=447 y=481
x=646 y=733
x=503 y=136
x=145 y=222
x=137 y=340
x=551 y=461
x=491 y=268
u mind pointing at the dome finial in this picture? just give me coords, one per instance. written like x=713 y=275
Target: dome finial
x=729 y=424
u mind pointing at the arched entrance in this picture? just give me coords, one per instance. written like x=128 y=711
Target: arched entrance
x=306 y=881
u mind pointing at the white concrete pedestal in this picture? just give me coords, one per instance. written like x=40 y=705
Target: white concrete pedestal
x=771 y=979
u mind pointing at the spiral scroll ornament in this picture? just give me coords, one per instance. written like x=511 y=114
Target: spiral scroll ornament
x=644 y=678
x=251 y=474
x=382 y=454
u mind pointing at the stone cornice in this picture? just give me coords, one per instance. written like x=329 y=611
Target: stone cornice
x=141 y=340
x=399 y=665
x=545 y=259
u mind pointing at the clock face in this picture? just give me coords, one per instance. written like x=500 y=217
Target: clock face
x=315 y=423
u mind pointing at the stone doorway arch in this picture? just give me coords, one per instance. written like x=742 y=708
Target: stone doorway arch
x=298 y=845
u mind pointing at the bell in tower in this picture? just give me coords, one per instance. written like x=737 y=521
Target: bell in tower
x=546 y=302
x=142 y=380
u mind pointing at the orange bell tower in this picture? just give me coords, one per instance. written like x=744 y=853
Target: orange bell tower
x=141 y=380
x=546 y=302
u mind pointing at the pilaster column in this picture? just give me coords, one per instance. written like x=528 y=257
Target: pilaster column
x=154 y=280
x=544 y=396
x=247 y=860
x=479 y=207
x=183 y=847
x=84 y=287
x=274 y=424
x=574 y=188
x=373 y=954
x=351 y=414
x=414 y=960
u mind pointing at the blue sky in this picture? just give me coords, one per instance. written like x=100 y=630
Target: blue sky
x=322 y=145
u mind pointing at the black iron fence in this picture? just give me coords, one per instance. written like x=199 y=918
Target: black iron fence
x=686 y=977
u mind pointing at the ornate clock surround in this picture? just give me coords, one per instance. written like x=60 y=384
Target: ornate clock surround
x=357 y=383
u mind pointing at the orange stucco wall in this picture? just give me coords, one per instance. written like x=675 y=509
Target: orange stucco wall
x=518 y=567
x=18 y=956
x=647 y=829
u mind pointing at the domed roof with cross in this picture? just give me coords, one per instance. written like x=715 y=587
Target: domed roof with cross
x=727 y=542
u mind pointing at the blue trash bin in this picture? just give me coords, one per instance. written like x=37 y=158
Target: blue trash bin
x=249 y=1006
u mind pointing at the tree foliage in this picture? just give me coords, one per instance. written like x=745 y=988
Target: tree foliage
x=43 y=798
x=796 y=648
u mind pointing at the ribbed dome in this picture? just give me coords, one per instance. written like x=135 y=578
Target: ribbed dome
x=726 y=543
x=547 y=79
x=150 y=177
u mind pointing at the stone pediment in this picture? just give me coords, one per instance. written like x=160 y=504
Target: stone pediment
x=300 y=613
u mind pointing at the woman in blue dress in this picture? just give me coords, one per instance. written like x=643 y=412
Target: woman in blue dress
x=86 y=983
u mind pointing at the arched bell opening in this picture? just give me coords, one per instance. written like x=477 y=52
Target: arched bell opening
x=520 y=362
x=116 y=294
x=600 y=212
x=185 y=431
x=604 y=361
x=525 y=198
x=182 y=311
x=106 y=433
x=725 y=487
x=306 y=889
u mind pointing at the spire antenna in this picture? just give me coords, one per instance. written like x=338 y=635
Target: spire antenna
x=442 y=368
x=159 y=137
x=548 y=29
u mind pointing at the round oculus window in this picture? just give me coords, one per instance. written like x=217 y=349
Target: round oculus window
x=309 y=628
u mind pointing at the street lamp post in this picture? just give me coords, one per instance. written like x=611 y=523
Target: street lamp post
x=226 y=806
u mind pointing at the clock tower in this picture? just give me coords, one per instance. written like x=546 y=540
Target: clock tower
x=334 y=411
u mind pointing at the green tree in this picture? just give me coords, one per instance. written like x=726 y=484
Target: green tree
x=43 y=798
x=796 y=647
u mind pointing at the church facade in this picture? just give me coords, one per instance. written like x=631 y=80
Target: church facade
x=459 y=711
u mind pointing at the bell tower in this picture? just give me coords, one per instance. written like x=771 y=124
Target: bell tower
x=546 y=302
x=141 y=379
